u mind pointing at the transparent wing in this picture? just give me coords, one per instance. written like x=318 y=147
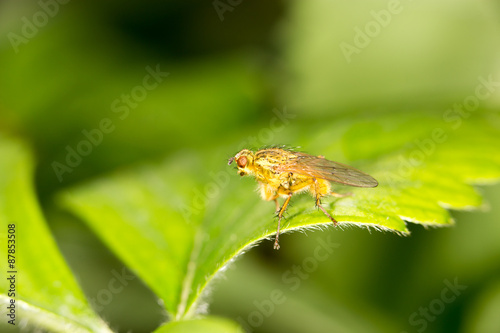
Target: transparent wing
x=318 y=167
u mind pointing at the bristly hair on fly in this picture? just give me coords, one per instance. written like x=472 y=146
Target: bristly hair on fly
x=285 y=147
x=296 y=149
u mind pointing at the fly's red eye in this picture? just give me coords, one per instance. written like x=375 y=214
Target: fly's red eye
x=242 y=161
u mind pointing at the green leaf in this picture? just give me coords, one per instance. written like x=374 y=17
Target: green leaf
x=205 y=325
x=180 y=222
x=45 y=292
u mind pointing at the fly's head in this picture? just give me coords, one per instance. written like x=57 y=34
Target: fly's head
x=244 y=161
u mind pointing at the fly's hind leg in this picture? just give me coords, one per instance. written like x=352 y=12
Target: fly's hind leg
x=319 y=190
x=339 y=195
x=318 y=204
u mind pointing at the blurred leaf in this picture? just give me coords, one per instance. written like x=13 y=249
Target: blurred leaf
x=411 y=55
x=47 y=294
x=205 y=325
x=107 y=82
x=483 y=317
x=178 y=223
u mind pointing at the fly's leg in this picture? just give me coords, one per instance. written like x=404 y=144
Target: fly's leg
x=277 y=205
x=318 y=204
x=280 y=215
x=318 y=195
x=338 y=195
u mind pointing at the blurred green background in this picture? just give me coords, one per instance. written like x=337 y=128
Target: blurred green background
x=230 y=64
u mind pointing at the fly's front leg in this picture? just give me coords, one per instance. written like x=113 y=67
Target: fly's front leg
x=280 y=216
x=269 y=193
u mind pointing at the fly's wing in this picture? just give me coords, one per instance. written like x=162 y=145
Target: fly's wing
x=319 y=167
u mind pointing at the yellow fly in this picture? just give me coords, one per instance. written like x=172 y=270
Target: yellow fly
x=282 y=172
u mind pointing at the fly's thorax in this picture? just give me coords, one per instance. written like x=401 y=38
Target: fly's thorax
x=274 y=156
x=290 y=180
